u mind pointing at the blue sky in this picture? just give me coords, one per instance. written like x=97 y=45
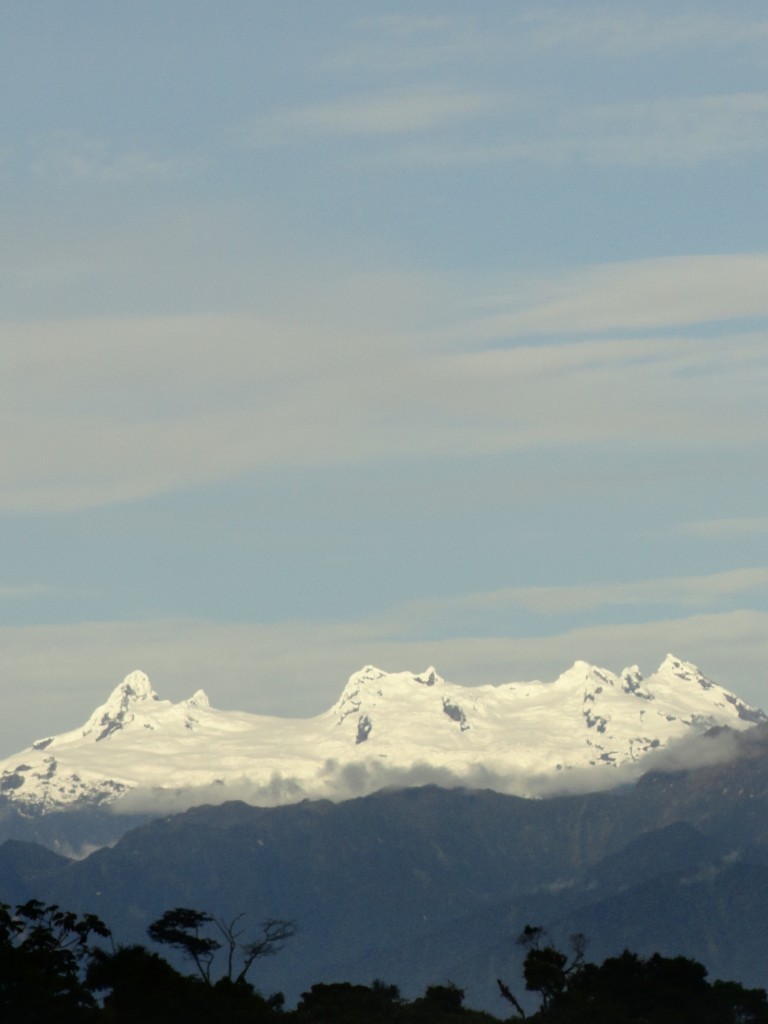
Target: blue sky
x=337 y=333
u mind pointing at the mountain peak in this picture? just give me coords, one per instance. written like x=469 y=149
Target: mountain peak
x=428 y=677
x=372 y=684
x=199 y=699
x=117 y=710
x=136 y=686
x=674 y=664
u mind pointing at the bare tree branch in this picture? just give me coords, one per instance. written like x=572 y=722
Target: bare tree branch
x=275 y=933
x=508 y=995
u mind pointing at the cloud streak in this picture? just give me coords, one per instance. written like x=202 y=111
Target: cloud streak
x=624 y=30
x=396 y=42
x=640 y=295
x=671 y=132
x=684 y=591
x=724 y=528
x=107 y=410
x=25 y=591
x=680 y=131
x=396 y=112
x=91 y=163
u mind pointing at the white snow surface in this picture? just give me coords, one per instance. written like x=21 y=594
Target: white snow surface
x=136 y=750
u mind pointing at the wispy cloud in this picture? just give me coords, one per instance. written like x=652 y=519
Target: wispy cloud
x=390 y=113
x=621 y=29
x=679 y=131
x=640 y=295
x=92 y=162
x=675 y=132
x=399 y=41
x=25 y=591
x=716 y=528
x=682 y=591
x=105 y=410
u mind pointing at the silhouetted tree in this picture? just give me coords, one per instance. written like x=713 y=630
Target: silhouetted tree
x=180 y=929
x=41 y=952
x=629 y=989
x=443 y=1004
x=139 y=986
x=345 y=1003
x=546 y=969
x=275 y=932
x=184 y=929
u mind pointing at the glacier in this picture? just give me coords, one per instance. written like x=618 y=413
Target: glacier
x=588 y=729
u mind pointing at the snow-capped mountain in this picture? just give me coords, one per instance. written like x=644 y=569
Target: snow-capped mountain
x=386 y=728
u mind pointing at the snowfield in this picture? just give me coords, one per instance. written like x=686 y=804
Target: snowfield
x=397 y=728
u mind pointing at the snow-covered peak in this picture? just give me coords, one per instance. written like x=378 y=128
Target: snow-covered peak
x=366 y=675
x=674 y=668
x=199 y=699
x=681 y=677
x=632 y=682
x=582 y=674
x=371 y=685
x=136 y=686
x=673 y=664
x=119 y=708
x=428 y=677
x=632 y=674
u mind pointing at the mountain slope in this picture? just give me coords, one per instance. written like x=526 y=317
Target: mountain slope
x=386 y=728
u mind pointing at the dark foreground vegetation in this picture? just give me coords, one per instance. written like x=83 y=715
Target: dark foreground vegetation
x=59 y=967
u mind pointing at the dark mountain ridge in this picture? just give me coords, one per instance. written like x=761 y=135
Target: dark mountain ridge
x=425 y=885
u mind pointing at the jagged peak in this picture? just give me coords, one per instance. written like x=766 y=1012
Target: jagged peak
x=674 y=664
x=136 y=686
x=581 y=670
x=632 y=682
x=632 y=672
x=685 y=671
x=117 y=709
x=429 y=677
x=374 y=683
x=371 y=674
x=581 y=667
x=199 y=699
x=367 y=674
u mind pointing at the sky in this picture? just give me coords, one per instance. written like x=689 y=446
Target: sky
x=353 y=333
